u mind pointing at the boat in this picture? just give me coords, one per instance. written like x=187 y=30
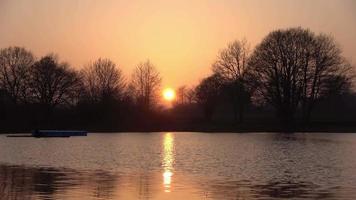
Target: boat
x=58 y=133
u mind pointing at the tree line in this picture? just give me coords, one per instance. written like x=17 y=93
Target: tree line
x=34 y=91
x=291 y=71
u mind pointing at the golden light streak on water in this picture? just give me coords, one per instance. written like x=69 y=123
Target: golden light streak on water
x=168 y=159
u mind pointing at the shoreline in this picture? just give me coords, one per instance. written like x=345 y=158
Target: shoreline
x=221 y=130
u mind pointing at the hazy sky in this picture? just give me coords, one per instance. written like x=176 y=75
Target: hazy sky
x=182 y=38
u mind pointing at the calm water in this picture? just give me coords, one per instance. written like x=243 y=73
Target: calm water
x=179 y=166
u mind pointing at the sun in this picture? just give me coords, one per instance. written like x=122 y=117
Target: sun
x=169 y=94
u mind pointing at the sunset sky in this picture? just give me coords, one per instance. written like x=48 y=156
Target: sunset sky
x=182 y=38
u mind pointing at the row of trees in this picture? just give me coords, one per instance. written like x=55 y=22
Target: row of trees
x=51 y=83
x=43 y=85
x=291 y=70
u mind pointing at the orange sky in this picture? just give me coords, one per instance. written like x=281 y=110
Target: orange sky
x=182 y=38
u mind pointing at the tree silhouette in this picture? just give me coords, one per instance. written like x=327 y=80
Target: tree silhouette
x=15 y=63
x=208 y=94
x=299 y=74
x=191 y=95
x=292 y=68
x=232 y=66
x=328 y=74
x=181 y=95
x=103 y=80
x=145 y=84
x=53 y=83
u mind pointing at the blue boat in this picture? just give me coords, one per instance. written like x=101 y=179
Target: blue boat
x=58 y=133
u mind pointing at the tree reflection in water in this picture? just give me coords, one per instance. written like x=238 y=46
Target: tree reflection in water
x=21 y=182
x=183 y=166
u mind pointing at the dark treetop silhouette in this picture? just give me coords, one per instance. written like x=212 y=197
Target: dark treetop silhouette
x=232 y=66
x=14 y=72
x=293 y=80
x=293 y=69
x=145 y=85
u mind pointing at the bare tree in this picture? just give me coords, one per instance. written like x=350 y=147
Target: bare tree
x=292 y=68
x=232 y=66
x=145 y=84
x=103 y=80
x=326 y=72
x=181 y=95
x=15 y=63
x=208 y=94
x=191 y=95
x=53 y=83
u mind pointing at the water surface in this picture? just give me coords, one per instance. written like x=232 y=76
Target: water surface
x=180 y=166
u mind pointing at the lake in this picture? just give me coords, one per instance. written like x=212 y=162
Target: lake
x=180 y=166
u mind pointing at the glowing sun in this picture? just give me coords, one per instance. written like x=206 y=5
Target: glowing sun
x=169 y=94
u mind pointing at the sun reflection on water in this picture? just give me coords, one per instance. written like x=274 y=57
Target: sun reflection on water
x=168 y=159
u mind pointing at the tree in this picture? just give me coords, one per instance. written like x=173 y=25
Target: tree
x=53 y=83
x=15 y=63
x=103 y=80
x=327 y=73
x=145 y=84
x=208 y=94
x=181 y=95
x=232 y=66
x=292 y=69
x=191 y=95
